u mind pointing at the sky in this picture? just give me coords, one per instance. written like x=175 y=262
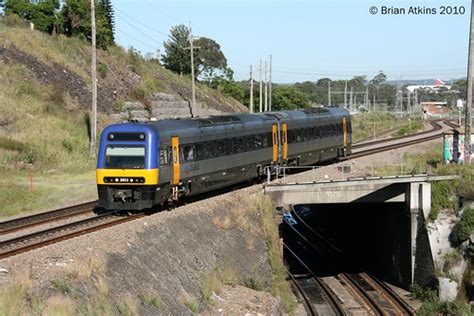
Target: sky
x=312 y=39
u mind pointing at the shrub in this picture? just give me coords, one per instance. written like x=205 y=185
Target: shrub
x=102 y=69
x=441 y=192
x=465 y=226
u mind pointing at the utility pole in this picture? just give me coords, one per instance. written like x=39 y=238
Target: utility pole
x=191 y=40
x=251 y=91
x=329 y=93
x=367 y=104
x=408 y=102
x=351 y=100
x=266 y=87
x=373 y=103
x=94 y=83
x=345 y=95
x=260 y=99
x=467 y=114
x=270 y=87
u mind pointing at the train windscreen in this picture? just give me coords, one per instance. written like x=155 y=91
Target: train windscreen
x=125 y=157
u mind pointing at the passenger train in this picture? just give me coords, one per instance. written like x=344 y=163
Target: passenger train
x=145 y=164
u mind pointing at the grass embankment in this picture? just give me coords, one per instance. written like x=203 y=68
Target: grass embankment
x=364 y=125
x=41 y=133
x=44 y=131
x=266 y=227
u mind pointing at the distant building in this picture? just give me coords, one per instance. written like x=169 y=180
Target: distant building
x=434 y=109
x=439 y=85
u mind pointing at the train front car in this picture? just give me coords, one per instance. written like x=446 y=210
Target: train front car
x=127 y=167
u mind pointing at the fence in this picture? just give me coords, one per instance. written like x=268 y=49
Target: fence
x=341 y=171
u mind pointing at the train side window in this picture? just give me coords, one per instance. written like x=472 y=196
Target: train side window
x=269 y=137
x=249 y=143
x=199 y=151
x=209 y=149
x=228 y=146
x=164 y=156
x=188 y=153
x=238 y=145
x=220 y=148
x=264 y=140
x=291 y=136
x=298 y=135
x=257 y=141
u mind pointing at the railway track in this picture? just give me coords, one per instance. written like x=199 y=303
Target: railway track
x=22 y=223
x=344 y=293
x=435 y=124
x=49 y=236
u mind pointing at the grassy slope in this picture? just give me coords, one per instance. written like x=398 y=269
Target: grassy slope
x=363 y=125
x=44 y=132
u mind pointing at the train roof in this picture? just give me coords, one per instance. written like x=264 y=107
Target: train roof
x=171 y=124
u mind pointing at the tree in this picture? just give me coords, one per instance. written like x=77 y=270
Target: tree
x=176 y=57
x=233 y=89
x=379 y=78
x=106 y=10
x=287 y=98
x=42 y=13
x=210 y=59
x=76 y=17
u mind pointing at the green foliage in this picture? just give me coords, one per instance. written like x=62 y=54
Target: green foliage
x=61 y=285
x=102 y=69
x=151 y=299
x=192 y=305
x=254 y=282
x=11 y=144
x=465 y=226
x=176 y=57
x=72 y=18
x=210 y=59
x=288 y=98
x=232 y=89
x=441 y=192
x=278 y=286
x=41 y=13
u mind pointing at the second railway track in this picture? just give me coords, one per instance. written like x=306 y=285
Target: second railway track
x=49 y=236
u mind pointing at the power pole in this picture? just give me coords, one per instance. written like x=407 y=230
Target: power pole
x=351 y=100
x=345 y=95
x=467 y=114
x=329 y=93
x=266 y=87
x=373 y=104
x=94 y=83
x=260 y=100
x=270 y=87
x=367 y=106
x=251 y=91
x=191 y=40
x=408 y=102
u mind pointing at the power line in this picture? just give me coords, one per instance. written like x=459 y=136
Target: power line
x=139 y=31
x=142 y=24
x=136 y=39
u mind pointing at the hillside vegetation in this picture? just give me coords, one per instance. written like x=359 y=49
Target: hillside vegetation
x=44 y=105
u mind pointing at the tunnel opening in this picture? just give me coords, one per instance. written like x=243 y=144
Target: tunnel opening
x=349 y=238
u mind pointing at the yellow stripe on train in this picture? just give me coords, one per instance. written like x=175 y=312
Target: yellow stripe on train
x=150 y=175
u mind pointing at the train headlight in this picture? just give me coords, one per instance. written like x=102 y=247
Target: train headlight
x=111 y=136
x=141 y=136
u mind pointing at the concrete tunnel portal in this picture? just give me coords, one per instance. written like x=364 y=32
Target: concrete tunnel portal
x=376 y=225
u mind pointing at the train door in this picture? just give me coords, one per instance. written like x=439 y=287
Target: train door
x=344 y=131
x=175 y=161
x=275 y=144
x=284 y=140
